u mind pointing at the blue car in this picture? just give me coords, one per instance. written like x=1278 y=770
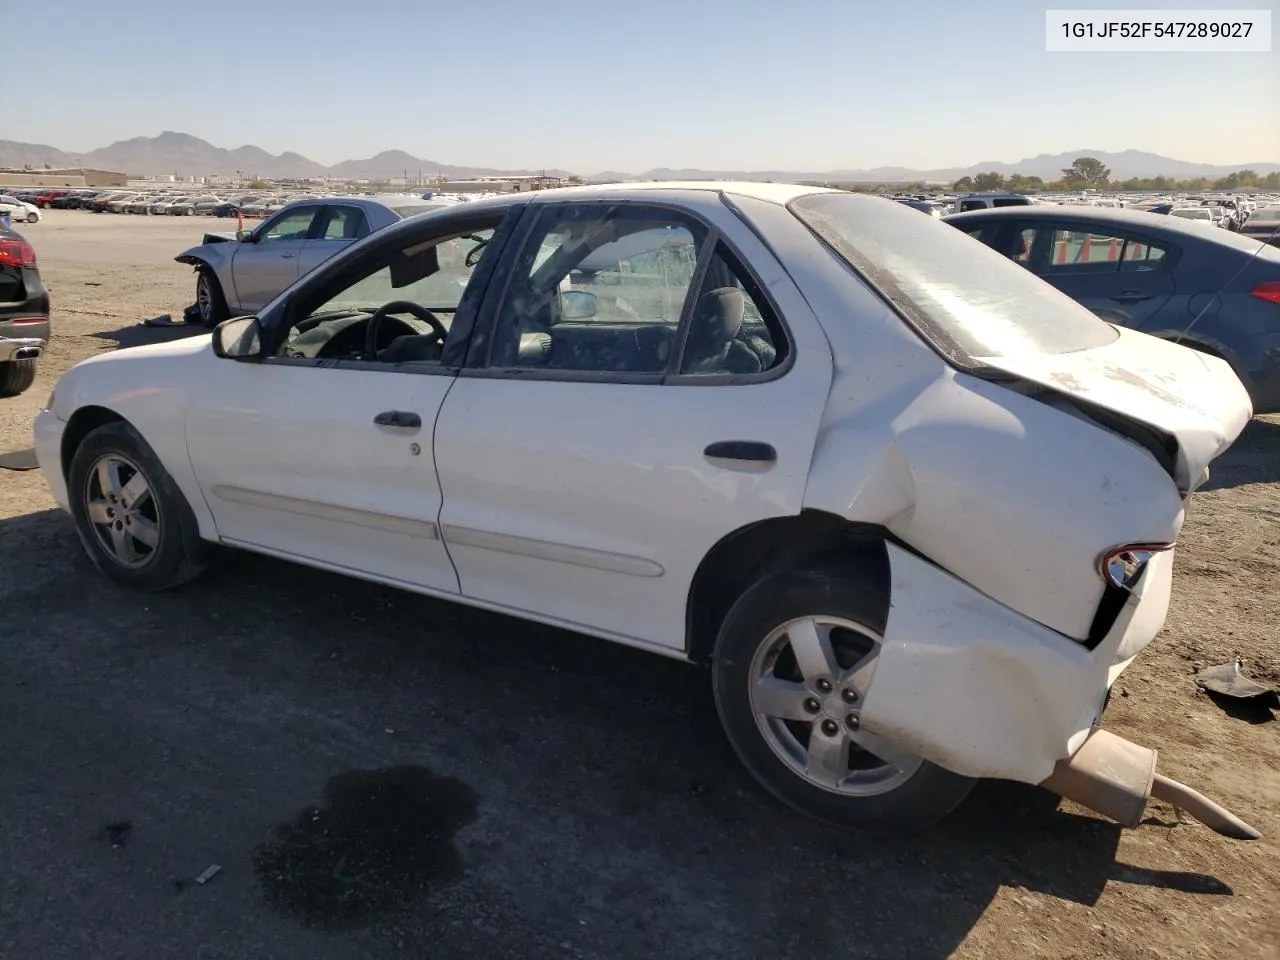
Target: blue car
x=1208 y=288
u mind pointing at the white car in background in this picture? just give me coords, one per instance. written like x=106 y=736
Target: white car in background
x=19 y=211
x=1202 y=215
x=914 y=507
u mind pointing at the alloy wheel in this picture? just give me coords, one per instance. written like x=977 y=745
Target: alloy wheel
x=123 y=511
x=808 y=680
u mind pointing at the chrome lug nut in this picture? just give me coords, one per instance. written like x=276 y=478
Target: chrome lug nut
x=812 y=705
x=824 y=685
x=829 y=728
x=852 y=721
x=849 y=696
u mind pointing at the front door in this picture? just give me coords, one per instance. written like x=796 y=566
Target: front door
x=641 y=399
x=322 y=452
x=267 y=264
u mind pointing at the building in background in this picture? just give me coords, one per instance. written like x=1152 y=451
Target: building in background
x=76 y=177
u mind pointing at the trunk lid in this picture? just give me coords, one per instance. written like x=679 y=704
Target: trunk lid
x=1194 y=400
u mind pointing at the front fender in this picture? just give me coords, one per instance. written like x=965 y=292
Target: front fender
x=149 y=387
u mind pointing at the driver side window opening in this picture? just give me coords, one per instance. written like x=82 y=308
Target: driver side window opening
x=292 y=226
x=399 y=309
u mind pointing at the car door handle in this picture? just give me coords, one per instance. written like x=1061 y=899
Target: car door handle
x=287 y=256
x=752 y=451
x=397 y=418
x=1130 y=296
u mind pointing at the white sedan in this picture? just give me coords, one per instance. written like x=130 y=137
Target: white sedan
x=19 y=211
x=914 y=507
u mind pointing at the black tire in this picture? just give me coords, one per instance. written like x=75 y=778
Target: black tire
x=842 y=591
x=33 y=217
x=16 y=376
x=179 y=555
x=212 y=309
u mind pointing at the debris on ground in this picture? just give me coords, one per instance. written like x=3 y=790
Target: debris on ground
x=209 y=873
x=1228 y=680
x=164 y=320
x=117 y=833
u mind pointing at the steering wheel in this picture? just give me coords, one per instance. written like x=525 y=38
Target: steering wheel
x=399 y=306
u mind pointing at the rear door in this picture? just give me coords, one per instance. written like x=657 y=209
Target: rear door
x=1123 y=277
x=336 y=227
x=267 y=264
x=637 y=400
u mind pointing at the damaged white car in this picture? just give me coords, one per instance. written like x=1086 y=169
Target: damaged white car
x=916 y=508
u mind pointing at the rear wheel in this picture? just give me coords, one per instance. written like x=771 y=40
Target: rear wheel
x=211 y=305
x=134 y=522
x=793 y=663
x=16 y=376
x=33 y=217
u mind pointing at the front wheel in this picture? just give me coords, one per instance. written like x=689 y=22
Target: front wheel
x=211 y=305
x=132 y=518
x=793 y=664
x=33 y=217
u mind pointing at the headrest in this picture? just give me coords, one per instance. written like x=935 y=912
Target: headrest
x=717 y=318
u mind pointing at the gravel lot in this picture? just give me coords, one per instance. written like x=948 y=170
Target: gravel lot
x=379 y=774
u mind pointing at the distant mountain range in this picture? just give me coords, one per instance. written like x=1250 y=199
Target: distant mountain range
x=183 y=155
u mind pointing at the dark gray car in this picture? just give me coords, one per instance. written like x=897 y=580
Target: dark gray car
x=1213 y=290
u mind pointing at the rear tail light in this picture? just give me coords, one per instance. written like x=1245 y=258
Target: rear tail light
x=1269 y=291
x=17 y=253
x=1124 y=565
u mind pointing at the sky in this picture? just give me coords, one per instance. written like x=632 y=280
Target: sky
x=628 y=86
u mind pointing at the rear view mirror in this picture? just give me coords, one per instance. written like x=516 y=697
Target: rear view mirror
x=577 y=305
x=244 y=236
x=238 y=339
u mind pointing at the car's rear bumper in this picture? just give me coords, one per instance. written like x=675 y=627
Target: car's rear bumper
x=983 y=691
x=48 y=443
x=22 y=348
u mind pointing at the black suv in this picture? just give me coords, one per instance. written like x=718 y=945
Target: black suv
x=24 y=313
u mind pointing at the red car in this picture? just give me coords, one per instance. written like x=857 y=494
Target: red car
x=45 y=199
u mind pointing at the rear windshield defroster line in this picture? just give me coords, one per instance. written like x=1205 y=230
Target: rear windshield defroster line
x=970 y=302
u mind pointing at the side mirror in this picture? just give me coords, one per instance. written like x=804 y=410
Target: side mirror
x=577 y=305
x=239 y=338
x=244 y=236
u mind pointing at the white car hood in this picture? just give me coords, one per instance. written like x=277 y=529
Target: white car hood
x=1195 y=398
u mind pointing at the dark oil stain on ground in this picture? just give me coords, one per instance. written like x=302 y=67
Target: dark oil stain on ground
x=383 y=838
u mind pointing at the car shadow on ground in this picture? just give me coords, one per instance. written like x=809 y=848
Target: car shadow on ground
x=1253 y=458
x=607 y=790
x=139 y=334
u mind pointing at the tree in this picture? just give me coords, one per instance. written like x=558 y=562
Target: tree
x=258 y=185
x=1271 y=181
x=963 y=185
x=574 y=178
x=988 y=181
x=1087 y=170
x=1018 y=183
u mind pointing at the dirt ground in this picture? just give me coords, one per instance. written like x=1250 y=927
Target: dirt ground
x=578 y=798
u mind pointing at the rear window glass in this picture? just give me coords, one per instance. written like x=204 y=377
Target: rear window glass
x=978 y=302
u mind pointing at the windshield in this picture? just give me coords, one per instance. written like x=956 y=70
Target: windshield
x=948 y=285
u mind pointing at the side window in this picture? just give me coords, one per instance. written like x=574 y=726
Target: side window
x=1140 y=256
x=411 y=295
x=731 y=328
x=1079 y=251
x=341 y=223
x=598 y=289
x=972 y=205
x=291 y=226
